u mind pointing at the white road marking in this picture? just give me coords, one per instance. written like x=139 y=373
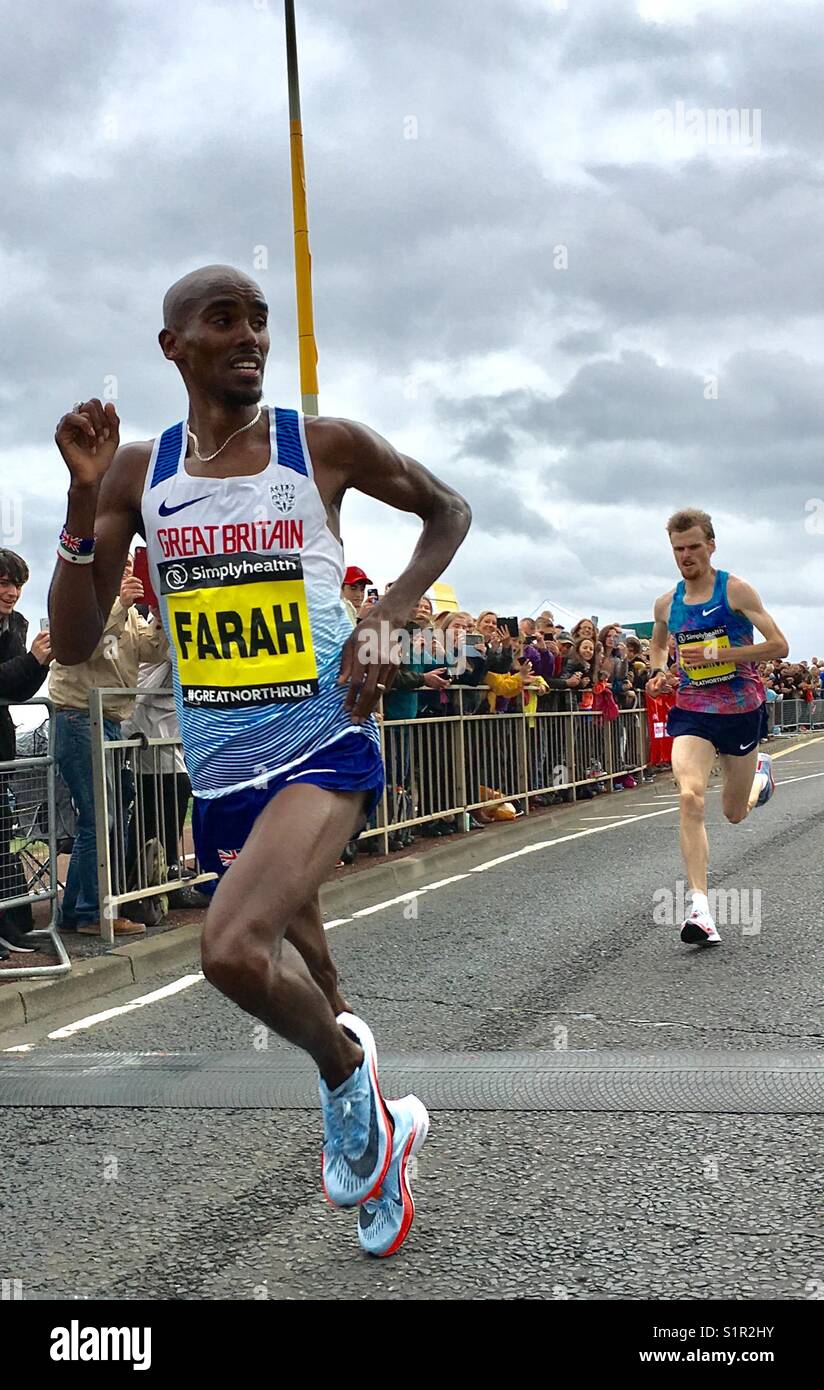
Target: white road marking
x=798 y=748
x=92 y=1019
x=563 y=839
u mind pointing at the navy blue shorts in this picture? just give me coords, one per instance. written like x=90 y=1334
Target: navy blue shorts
x=733 y=734
x=221 y=825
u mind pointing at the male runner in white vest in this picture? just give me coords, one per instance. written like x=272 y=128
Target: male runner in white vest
x=239 y=505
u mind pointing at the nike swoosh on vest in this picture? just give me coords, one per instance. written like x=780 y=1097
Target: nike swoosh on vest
x=163 y=510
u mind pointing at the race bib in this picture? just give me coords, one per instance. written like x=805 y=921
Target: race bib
x=239 y=626
x=716 y=640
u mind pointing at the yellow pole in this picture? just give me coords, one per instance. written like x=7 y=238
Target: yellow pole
x=307 y=346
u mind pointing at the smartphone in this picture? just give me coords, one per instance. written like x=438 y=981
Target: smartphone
x=44 y=624
x=511 y=625
x=372 y=595
x=141 y=572
x=473 y=640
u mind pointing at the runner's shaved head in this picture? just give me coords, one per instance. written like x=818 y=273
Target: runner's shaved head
x=186 y=294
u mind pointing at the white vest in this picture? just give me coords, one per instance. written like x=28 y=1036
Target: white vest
x=249 y=576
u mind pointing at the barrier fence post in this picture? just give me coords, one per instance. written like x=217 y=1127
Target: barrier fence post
x=389 y=765
x=101 y=815
x=524 y=758
x=460 y=786
x=609 y=749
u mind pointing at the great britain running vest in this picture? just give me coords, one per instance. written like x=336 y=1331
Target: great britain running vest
x=249 y=576
x=724 y=689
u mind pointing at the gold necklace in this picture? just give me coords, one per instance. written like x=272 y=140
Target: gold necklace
x=201 y=458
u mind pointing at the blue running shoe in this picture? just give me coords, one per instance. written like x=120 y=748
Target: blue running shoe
x=384 y=1221
x=764 y=775
x=357 y=1129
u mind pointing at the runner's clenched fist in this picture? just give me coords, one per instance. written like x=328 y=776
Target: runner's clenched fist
x=88 y=437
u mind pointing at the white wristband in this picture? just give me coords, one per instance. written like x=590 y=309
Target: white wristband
x=74 y=559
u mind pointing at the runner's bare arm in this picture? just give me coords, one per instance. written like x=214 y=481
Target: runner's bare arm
x=744 y=599
x=104 y=502
x=350 y=455
x=659 y=641
x=362 y=459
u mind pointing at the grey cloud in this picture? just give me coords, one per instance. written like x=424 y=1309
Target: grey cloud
x=634 y=430
x=583 y=342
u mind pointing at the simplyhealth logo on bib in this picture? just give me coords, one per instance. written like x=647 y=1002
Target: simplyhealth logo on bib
x=240 y=629
x=711 y=641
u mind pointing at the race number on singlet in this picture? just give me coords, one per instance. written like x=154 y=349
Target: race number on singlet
x=240 y=629
x=711 y=643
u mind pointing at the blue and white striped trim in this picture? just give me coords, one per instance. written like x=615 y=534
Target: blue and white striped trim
x=169 y=450
x=290 y=441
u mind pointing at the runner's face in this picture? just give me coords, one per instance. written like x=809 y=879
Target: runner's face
x=225 y=343
x=692 y=552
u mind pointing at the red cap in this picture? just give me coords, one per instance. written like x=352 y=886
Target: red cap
x=355 y=576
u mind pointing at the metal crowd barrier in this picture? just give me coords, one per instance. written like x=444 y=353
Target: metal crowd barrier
x=792 y=715
x=145 y=849
x=28 y=843
x=437 y=767
x=452 y=765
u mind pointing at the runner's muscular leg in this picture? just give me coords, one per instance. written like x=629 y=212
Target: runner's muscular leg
x=738 y=774
x=692 y=761
x=306 y=933
x=294 y=845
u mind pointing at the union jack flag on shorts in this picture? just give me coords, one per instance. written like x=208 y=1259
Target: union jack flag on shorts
x=227 y=856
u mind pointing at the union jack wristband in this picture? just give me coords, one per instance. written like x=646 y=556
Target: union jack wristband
x=78 y=550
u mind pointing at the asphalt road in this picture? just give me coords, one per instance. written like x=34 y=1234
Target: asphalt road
x=559 y=947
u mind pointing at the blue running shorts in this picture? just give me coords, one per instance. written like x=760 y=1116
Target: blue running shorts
x=733 y=734
x=222 y=824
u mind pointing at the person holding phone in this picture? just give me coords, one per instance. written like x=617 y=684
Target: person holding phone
x=498 y=640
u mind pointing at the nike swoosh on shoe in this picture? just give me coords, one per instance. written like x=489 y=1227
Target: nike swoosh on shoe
x=363 y=1166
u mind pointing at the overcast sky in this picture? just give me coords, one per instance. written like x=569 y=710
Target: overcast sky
x=543 y=265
